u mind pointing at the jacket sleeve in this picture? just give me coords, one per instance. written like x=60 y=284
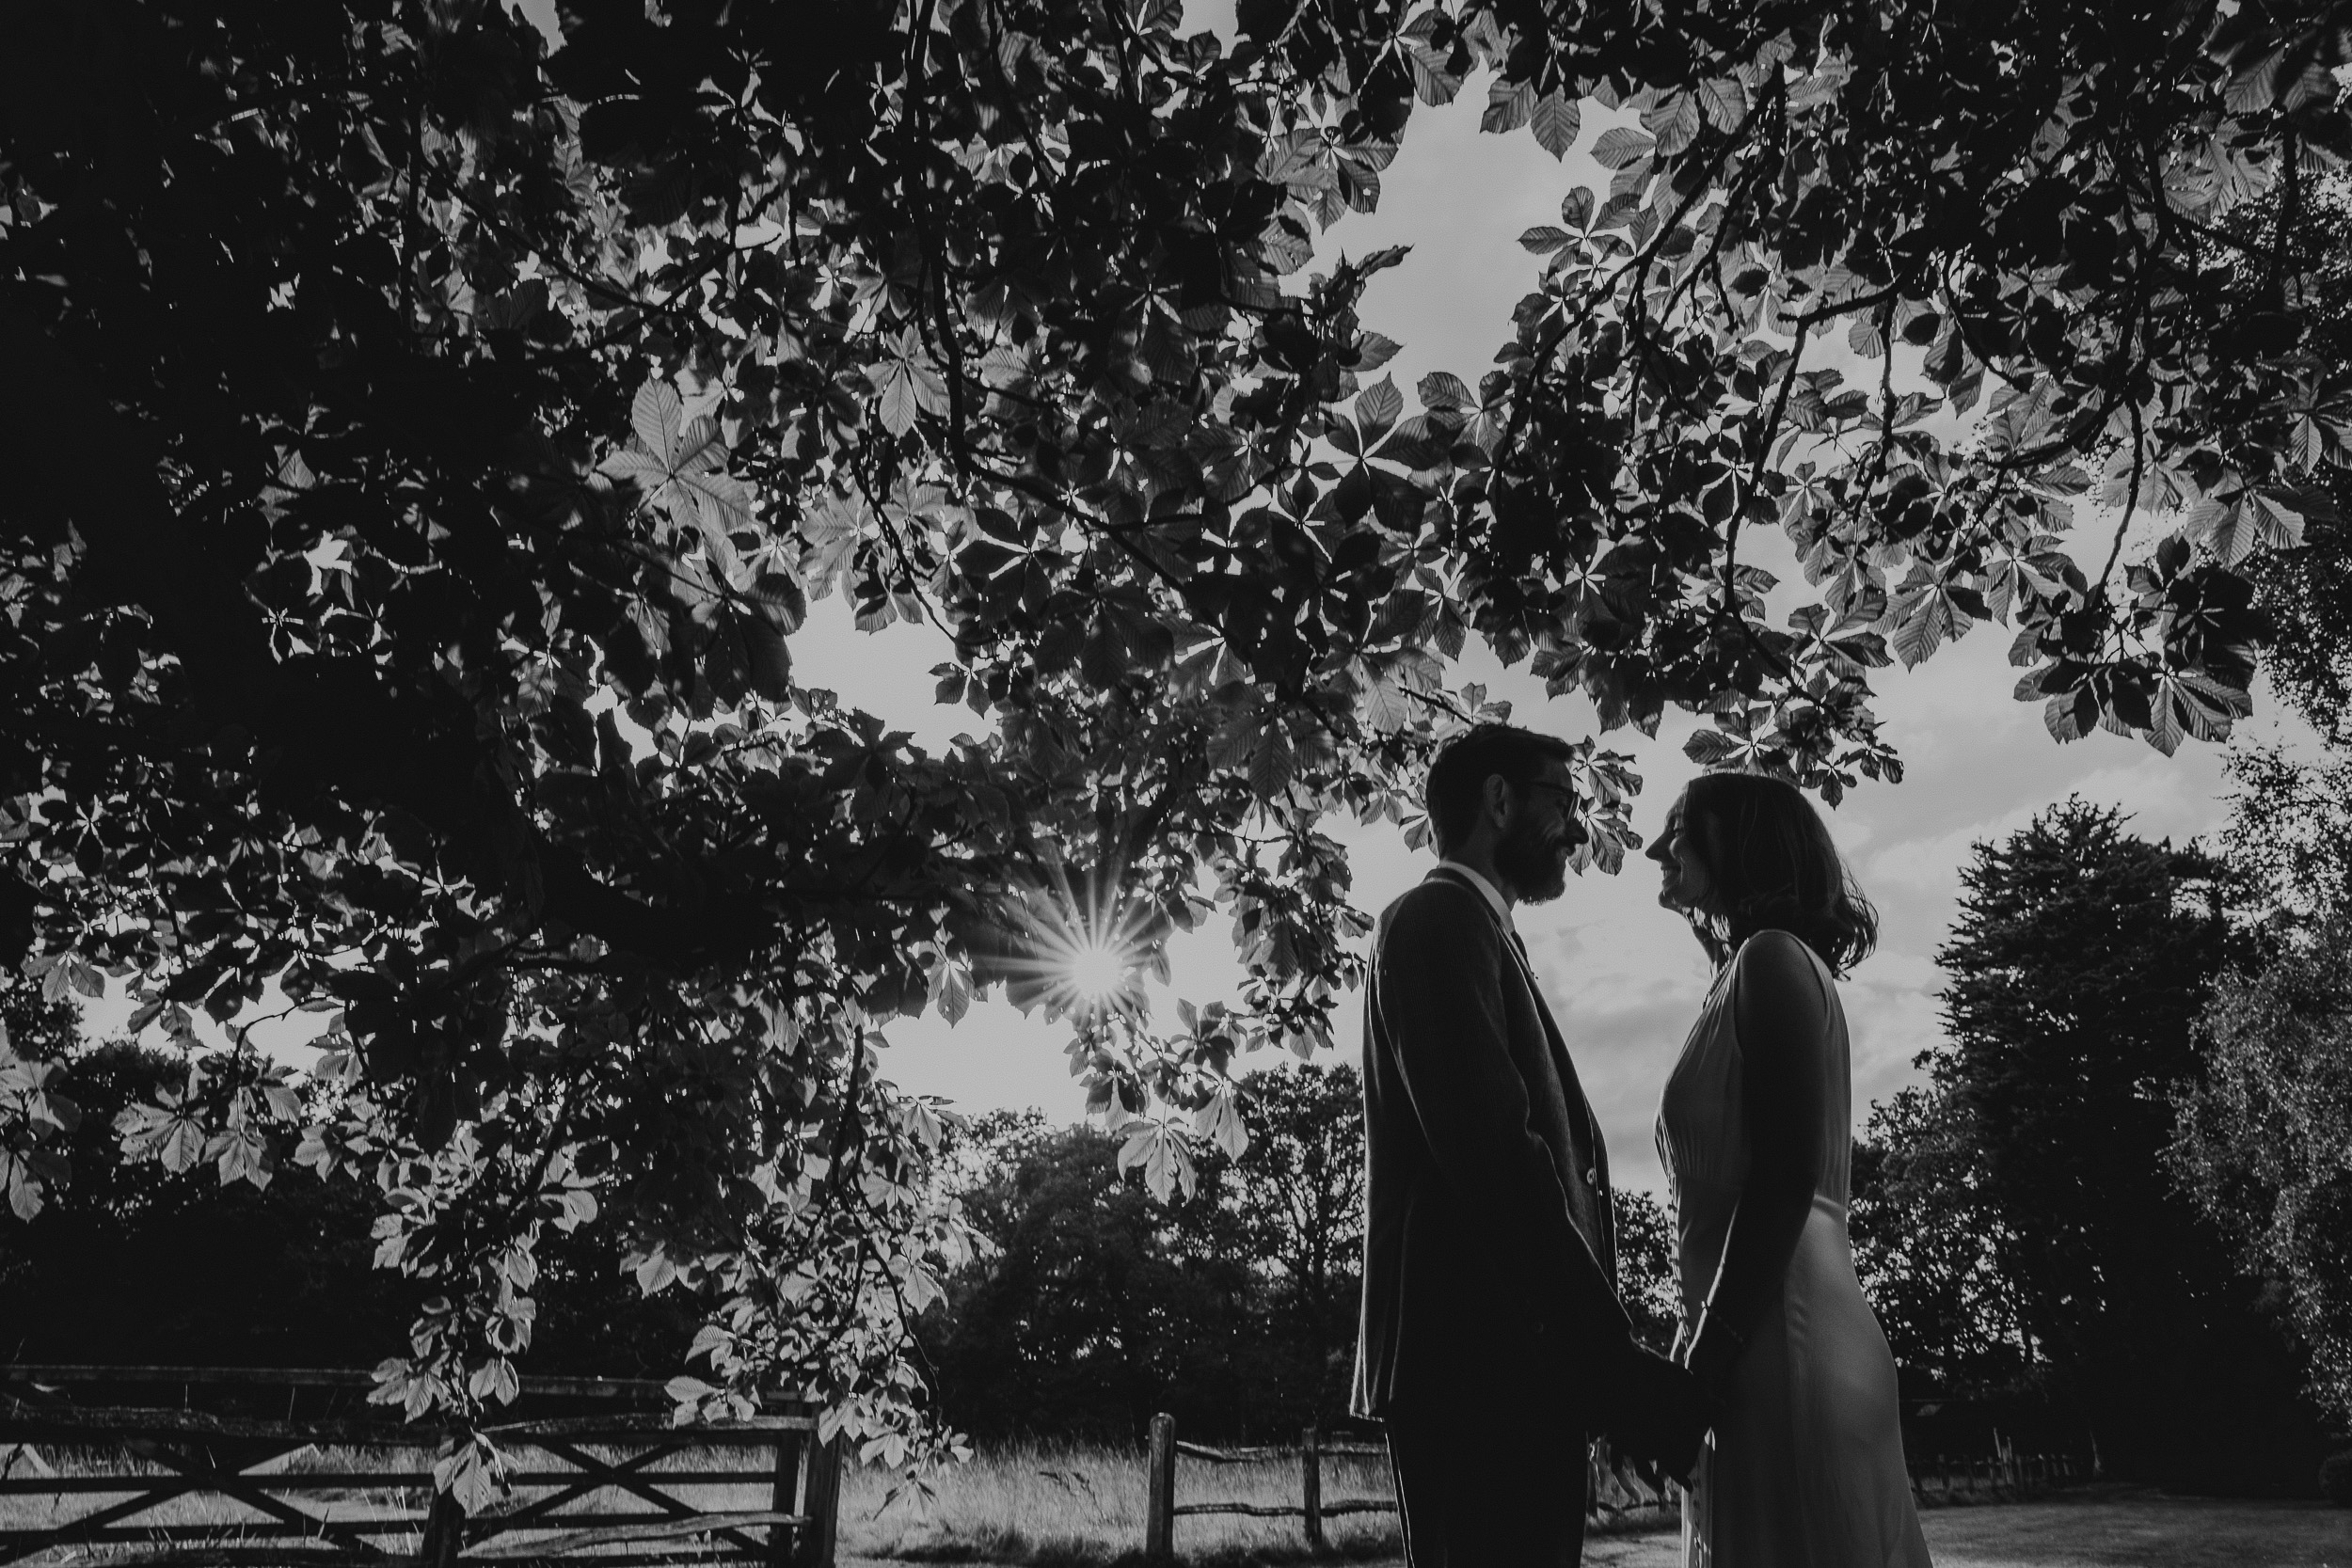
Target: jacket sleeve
x=1439 y=985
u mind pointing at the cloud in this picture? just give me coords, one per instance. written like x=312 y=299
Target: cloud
x=1623 y=976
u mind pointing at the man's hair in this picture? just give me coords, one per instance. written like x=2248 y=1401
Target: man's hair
x=1466 y=761
x=1773 y=866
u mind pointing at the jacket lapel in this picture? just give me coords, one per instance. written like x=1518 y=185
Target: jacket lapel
x=1604 y=1242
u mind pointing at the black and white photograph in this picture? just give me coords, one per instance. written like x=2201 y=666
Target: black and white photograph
x=1176 y=783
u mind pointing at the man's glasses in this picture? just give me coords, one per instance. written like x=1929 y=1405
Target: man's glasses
x=1567 y=800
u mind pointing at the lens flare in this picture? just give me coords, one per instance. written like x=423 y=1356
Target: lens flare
x=1080 y=946
x=1098 y=973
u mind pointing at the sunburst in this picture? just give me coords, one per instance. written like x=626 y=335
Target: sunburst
x=1081 y=945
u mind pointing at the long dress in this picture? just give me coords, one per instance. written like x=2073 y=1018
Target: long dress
x=1804 y=1468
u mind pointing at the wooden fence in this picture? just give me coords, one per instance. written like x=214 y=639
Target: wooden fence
x=1612 y=1492
x=1161 y=1509
x=355 y=1485
x=2007 y=1473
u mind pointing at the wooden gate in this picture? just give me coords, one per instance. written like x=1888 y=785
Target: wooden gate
x=151 y=1485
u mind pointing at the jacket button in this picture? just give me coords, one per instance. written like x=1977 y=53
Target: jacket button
x=1592 y=1176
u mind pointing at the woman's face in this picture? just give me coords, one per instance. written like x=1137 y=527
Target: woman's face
x=1683 y=882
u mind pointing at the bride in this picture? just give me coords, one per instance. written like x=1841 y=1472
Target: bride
x=1804 y=1467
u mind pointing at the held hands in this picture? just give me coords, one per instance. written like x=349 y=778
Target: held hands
x=1662 y=1419
x=1712 y=1356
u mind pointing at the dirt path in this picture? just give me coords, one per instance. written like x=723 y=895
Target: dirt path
x=2108 y=1527
x=2101 y=1528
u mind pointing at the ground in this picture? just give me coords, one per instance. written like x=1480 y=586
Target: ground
x=2101 y=1527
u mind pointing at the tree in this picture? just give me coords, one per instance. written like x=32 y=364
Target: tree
x=2264 y=1144
x=37 y=1120
x=1244 y=1318
x=1647 y=1277
x=426 y=444
x=2305 y=590
x=1096 y=1304
x=2263 y=1141
x=131 y=1264
x=1299 y=1193
x=1924 y=1239
x=2080 y=961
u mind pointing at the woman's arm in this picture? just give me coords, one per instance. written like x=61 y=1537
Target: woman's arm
x=1782 y=1016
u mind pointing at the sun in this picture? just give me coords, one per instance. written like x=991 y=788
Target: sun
x=1098 y=971
x=1080 y=945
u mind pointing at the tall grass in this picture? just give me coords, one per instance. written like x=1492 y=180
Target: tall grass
x=1053 y=1503
x=1050 y=1505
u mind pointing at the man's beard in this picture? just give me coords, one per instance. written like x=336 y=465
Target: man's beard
x=1534 y=863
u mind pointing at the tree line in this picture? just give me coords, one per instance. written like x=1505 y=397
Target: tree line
x=2096 y=1219
x=1092 y=1304
x=2111 y=1218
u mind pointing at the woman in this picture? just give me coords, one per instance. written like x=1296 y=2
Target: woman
x=1804 y=1467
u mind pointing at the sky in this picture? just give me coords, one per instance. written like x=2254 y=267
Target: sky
x=1623 y=976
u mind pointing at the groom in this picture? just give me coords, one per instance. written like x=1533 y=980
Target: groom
x=1492 y=1342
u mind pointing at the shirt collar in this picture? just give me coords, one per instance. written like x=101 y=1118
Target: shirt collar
x=1502 y=910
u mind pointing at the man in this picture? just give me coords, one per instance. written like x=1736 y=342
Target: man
x=1492 y=1344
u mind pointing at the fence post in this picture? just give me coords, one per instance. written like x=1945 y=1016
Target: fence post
x=1310 y=1458
x=444 y=1532
x=821 y=1502
x=1159 y=1518
x=785 y=1498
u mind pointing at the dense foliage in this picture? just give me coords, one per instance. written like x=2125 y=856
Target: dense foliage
x=2264 y=1142
x=426 y=444
x=1097 y=1304
x=132 y=1264
x=2023 y=1226
x=2305 y=590
x=1923 y=1228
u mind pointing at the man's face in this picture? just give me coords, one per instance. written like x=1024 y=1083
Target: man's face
x=1539 y=837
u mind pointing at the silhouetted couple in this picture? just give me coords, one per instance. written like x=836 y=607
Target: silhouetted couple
x=1493 y=1344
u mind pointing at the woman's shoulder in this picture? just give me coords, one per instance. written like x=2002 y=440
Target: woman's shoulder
x=1776 y=943
x=1774 y=955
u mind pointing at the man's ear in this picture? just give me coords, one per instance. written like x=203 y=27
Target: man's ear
x=1497 y=798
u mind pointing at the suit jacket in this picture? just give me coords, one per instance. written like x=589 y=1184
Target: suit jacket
x=1490 y=1238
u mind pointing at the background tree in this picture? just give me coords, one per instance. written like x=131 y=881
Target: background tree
x=1647 y=1275
x=2263 y=1143
x=37 y=1118
x=2080 y=961
x=131 y=1264
x=1925 y=1244
x=429 y=443
x=1097 y=1304
x=1298 y=1191
x=2305 y=590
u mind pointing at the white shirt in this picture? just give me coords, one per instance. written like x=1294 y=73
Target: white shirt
x=1502 y=910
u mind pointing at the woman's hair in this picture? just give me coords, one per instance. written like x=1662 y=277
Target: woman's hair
x=1772 y=866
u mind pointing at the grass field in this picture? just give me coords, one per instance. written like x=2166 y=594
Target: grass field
x=1069 y=1507
x=1050 y=1503
x=1052 y=1506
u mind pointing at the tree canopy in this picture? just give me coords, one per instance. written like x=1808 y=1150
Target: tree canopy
x=425 y=442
